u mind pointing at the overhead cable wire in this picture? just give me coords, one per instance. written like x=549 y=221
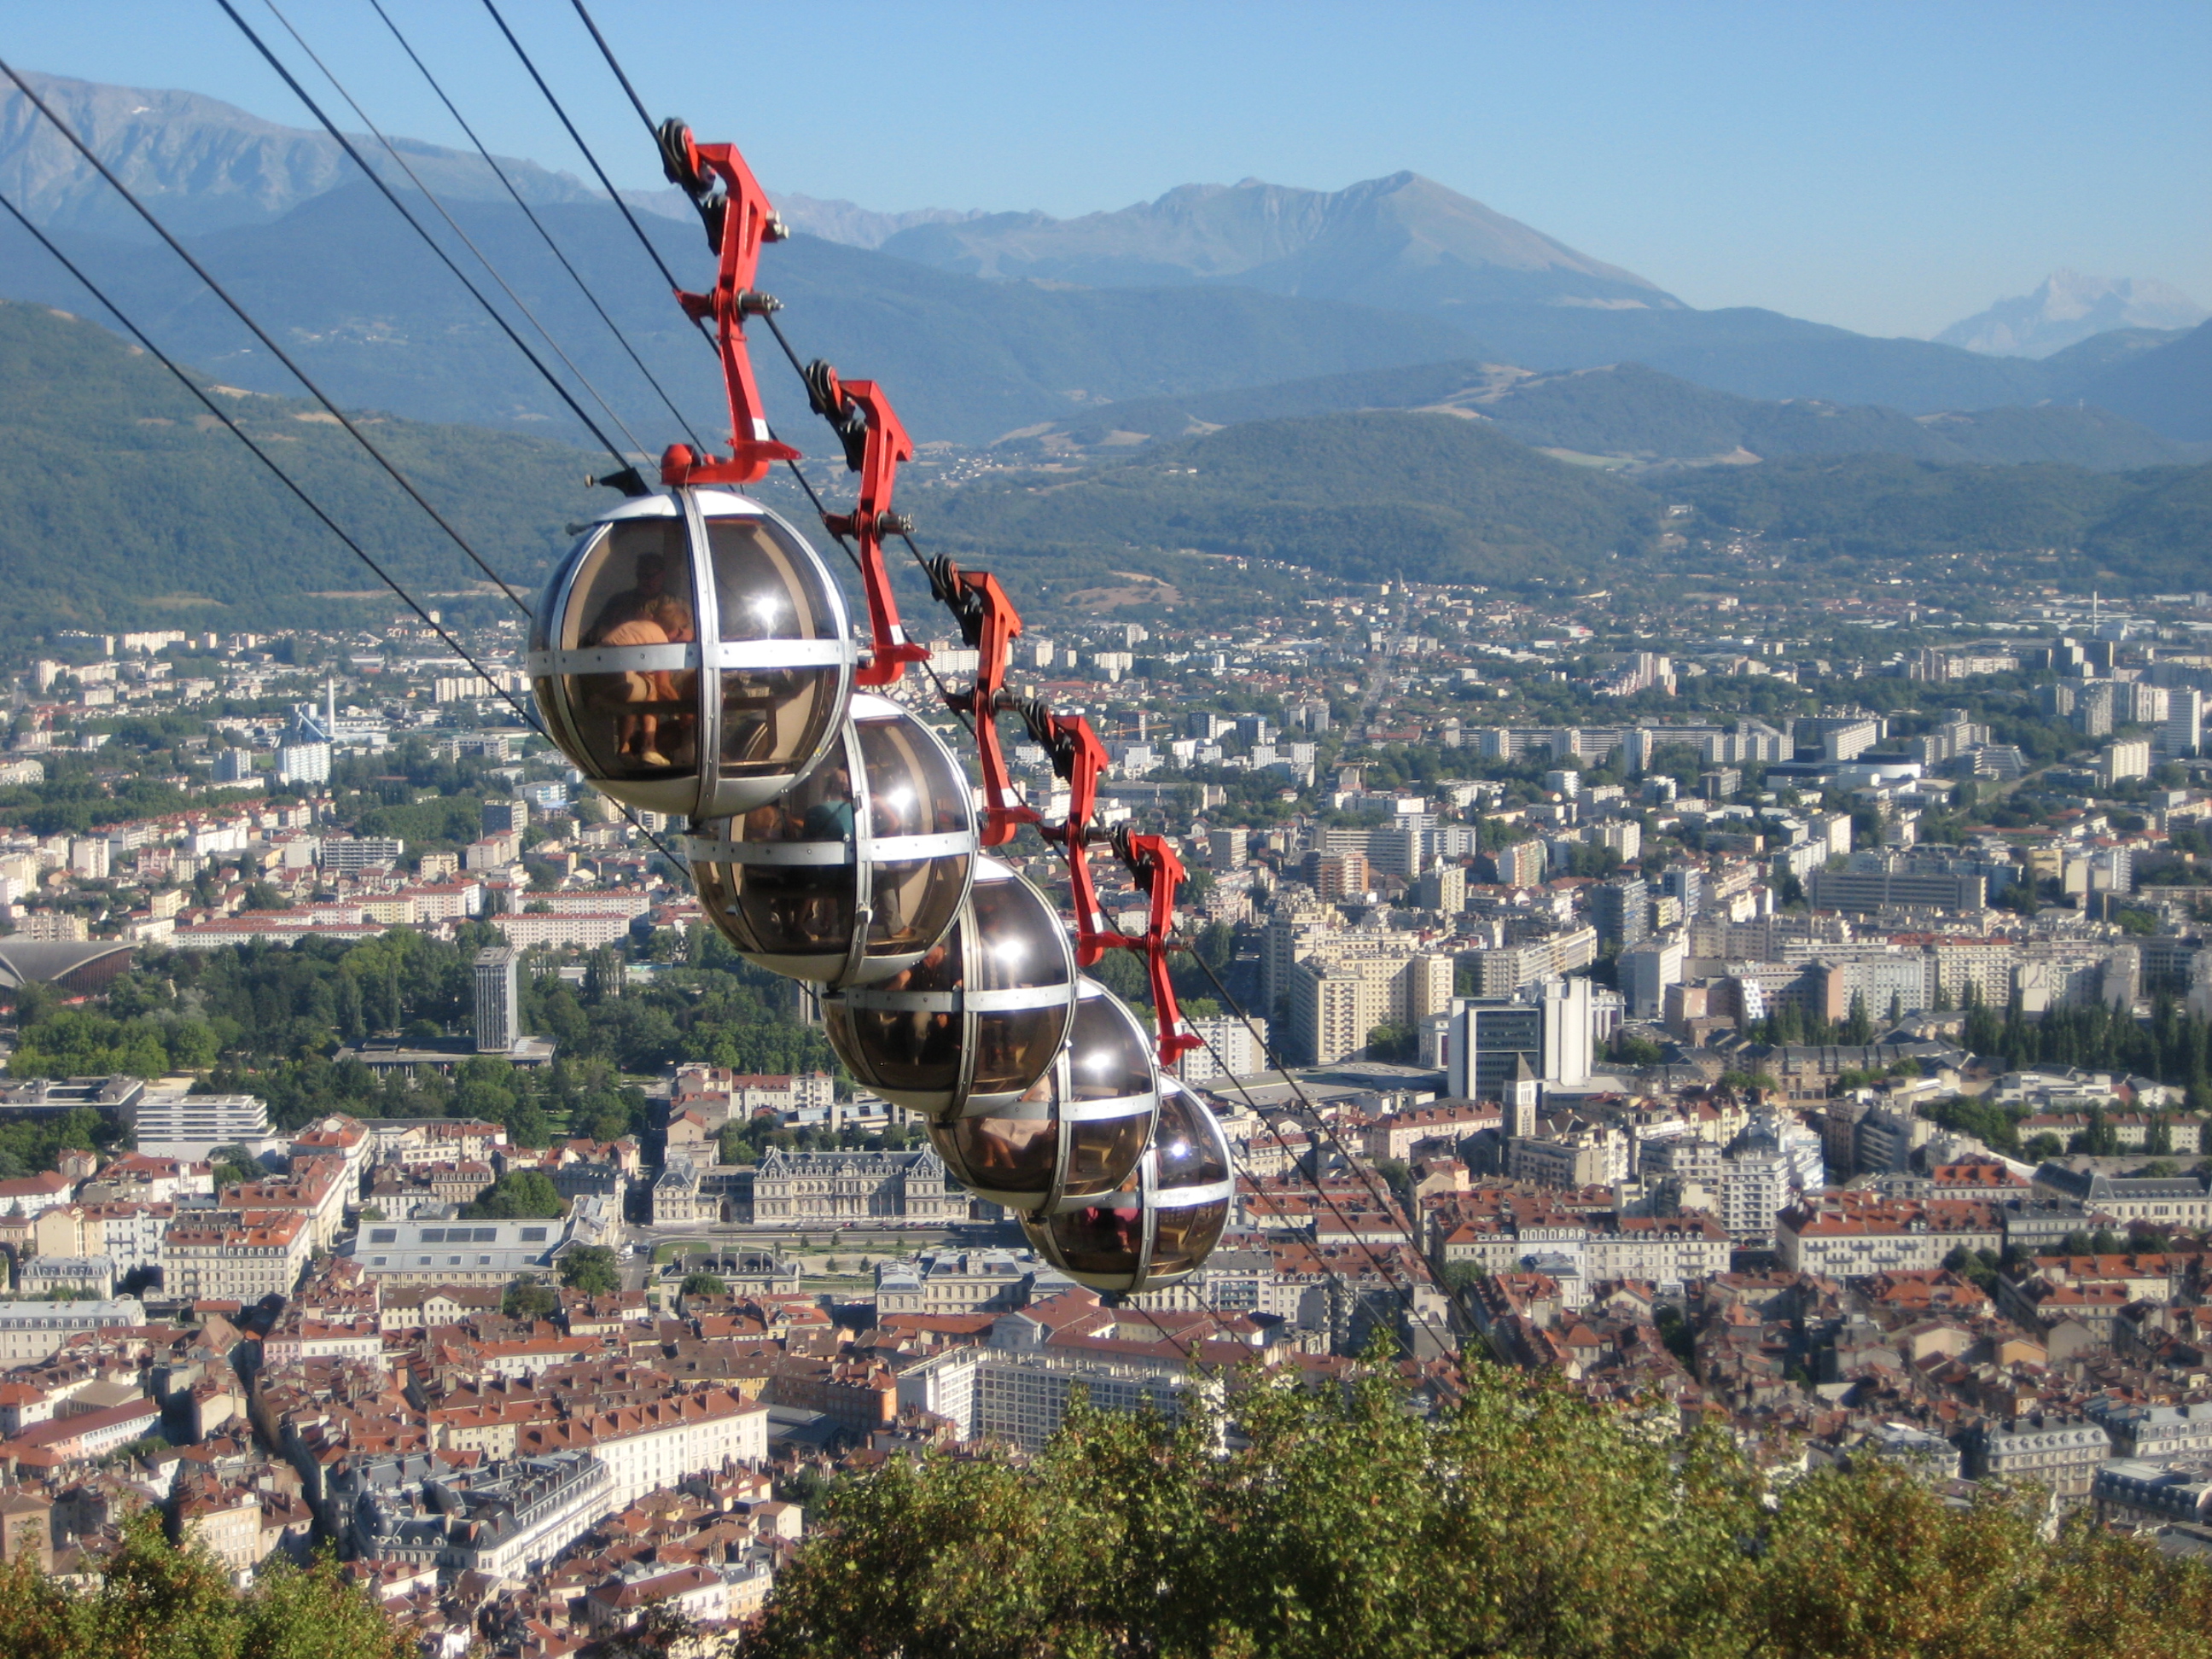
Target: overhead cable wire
x=622 y=458
x=265 y=458
x=608 y=52
x=644 y=241
x=651 y=252
x=522 y=710
x=1403 y=1220
x=451 y=224
x=262 y=334
x=539 y=225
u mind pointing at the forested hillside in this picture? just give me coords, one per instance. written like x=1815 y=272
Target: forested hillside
x=2143 y=531
x=124 y=503
x=1637 y=413
x=1369 y=496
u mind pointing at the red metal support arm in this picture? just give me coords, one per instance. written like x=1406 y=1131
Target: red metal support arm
x=863 y=418
x=739 y=220
x=1078 y=758
x=989 y=622
x=1158 y=873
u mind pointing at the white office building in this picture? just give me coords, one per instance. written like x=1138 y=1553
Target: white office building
x=188 y=1128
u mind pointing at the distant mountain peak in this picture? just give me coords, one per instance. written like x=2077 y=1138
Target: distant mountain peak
x=205 y=164
x=1402 y=240
x=2070 y=307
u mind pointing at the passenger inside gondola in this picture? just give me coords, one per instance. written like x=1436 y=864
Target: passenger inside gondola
x=653 y=695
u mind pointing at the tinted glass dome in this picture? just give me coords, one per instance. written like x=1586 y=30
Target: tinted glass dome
x=1074 y=1135
x=856 y=871
x=978 y=1017
x=692 y=655
x=1163 y=1222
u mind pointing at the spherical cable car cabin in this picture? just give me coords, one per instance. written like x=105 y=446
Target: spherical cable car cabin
x=851 y=876
x=1077 y=1133
x=979 y=1018
x=692 y=654
x=1163 y=1222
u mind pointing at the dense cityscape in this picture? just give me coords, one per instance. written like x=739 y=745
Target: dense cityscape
x=1801 y=1030
x=1289 y=924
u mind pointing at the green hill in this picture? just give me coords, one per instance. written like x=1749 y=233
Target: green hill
x=1364 y=495
x=1370 y=494
x=1628 y=410
x=124 y=503
x=2144 y=530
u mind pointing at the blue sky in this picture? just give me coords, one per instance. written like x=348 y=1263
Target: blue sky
x=1887 y=168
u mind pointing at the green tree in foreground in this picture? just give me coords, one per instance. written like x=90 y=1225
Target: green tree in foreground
x=591 y=1269
x=705 y=1283
x=1522 y=1520
x=160 y=1601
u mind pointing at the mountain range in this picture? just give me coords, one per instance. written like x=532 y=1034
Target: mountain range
x=1028 y=318
x=1330 y=333
x=1404 y=241
x=124 y=504
x=2070 y=307
x=205 y=165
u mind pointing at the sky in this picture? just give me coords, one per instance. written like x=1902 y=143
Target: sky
x=1887 y=168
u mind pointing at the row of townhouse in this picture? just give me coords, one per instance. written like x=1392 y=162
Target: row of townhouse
x=648 y=1447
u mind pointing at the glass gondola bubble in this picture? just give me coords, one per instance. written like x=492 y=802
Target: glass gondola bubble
x=1077 y=1131
x=692 y=655
x=1163 y=1222
x=849 y=878
x=979 y=1019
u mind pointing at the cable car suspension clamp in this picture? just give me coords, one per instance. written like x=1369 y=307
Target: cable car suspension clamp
x=1158 y=873
x=875 y=443
x=739 y=221
x=990 y=624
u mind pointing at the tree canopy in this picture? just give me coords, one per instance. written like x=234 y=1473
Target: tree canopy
x=591 y=1269
x=1344 y=1523
x=156 y=1600
x=520 y=1195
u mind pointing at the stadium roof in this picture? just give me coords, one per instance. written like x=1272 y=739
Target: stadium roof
x=73 y=964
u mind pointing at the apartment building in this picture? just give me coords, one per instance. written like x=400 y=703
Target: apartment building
x=1336 y=1001
x=235 y=1256
x=1848 y=1235
x=650 y=1447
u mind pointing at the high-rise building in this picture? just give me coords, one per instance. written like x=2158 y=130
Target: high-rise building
x=1520 y=865
x=499 y=1000
x=2182 y=733
x=1548 y=1025
x=1646 y=970
x=1622 y=912
x=1443 y=888
x=1685 y=882
x=505 y=817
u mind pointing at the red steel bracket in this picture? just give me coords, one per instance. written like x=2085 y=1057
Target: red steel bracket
x=883 y=445
x=1157 y=872
x=1079 y=758
x=739 y=221
x=989 y=622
